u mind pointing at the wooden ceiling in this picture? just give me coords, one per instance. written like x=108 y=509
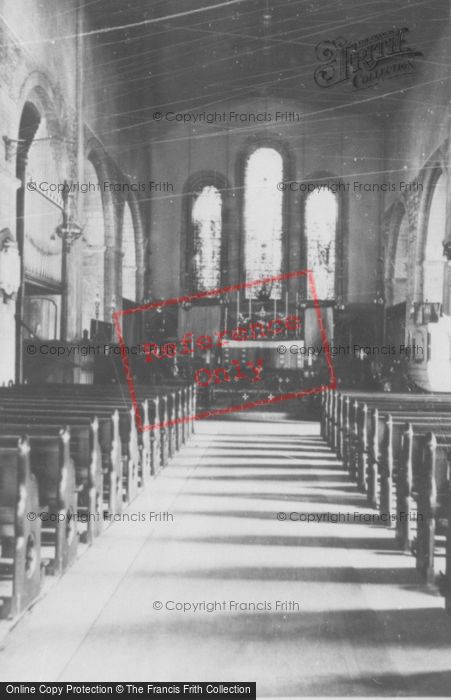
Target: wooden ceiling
x=181 y=55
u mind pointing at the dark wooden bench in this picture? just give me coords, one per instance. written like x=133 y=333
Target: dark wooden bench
x=334 y=407
x=402 y=444
x=85 y=452
x=357 y=436
x=20 y=536
x=119 y=450
x=188 y=402
x=160 y=443
x=431 y=488
x=410 y=463
x=181 y=408
x=155 y=407
x=385 y=433
x=54 y=470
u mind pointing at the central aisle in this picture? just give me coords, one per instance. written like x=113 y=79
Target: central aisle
x=359 y=623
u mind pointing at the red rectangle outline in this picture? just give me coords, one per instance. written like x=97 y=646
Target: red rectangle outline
x=205 y=295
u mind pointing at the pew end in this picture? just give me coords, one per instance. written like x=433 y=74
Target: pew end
x=20 y=531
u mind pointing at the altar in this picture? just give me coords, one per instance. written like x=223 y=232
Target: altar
x=288 y=354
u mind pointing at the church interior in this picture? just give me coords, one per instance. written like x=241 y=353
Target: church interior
x=225 y=336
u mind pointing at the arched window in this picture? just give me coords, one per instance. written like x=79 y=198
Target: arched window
x=129 y=256
x=400 y=263
x=93 y=279
x=206 y=227
x=263 y=218
x=434 y=261
x=321 y=215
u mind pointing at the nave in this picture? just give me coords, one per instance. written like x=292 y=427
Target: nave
x=366 y=624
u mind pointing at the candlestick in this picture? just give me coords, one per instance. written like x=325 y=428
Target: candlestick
x=250 y=307
x=226 y=313
x=238 y=305
x=275 y=308
x=286 y=304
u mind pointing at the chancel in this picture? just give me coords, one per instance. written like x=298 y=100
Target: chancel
x=225 y=339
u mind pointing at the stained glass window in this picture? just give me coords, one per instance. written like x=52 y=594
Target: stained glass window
x=263 y=219
x=321 y=212
x=206 y=221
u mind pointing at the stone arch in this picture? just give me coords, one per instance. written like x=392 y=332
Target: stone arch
x=41 y=145
x=39 y=91
x=435 y=167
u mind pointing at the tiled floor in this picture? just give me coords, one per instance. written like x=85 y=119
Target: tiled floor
x=303 y=608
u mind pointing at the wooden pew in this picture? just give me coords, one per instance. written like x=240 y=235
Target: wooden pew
x=136 y=448
x=386 y=428
x=20 y=536
x=54 y=470
x=446 y=582
x=410 y=462
x=119 y=392
x=59 y=458
x=189 y=402
x=358 y=432
x=85 y=452
x=118 y=441
x=332 y=410
x=154 y=410
x=431 y=484
x=163 y=416
x=178 y=434
x=155 y=448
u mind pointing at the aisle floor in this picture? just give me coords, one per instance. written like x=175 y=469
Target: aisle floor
x=338 y=610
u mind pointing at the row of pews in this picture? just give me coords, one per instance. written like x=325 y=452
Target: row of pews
x=397 y=447
x=70 y=456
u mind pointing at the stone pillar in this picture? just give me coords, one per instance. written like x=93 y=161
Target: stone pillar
x=9 y=185
x=447 y=276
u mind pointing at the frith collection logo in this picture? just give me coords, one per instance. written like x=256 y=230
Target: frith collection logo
x=366 y=62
